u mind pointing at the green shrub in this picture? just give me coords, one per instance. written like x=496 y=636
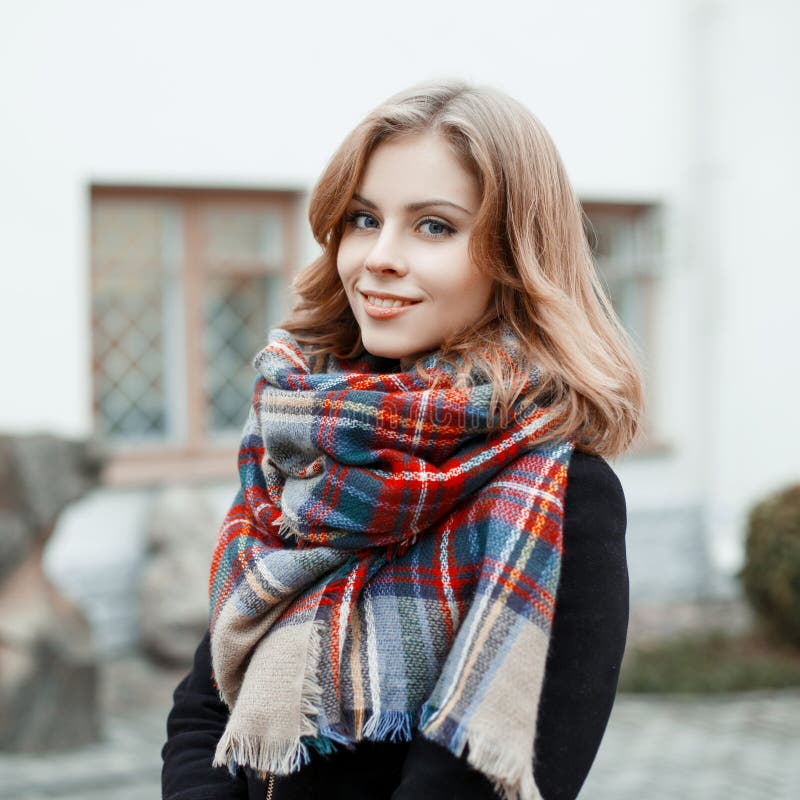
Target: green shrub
x=771 y=573
x=709 y=663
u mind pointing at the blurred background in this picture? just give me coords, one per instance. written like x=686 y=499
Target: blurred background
x=156 y=162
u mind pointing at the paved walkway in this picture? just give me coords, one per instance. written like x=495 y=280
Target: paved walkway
x=745 y=747
x=741 y=748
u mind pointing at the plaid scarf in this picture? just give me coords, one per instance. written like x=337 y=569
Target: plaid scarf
x=390 y=563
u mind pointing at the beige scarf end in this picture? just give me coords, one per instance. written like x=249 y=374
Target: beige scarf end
x=509 y=770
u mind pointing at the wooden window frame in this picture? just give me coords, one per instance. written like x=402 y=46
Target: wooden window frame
x=199 y=456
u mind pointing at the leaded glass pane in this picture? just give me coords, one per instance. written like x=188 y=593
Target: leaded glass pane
x=126 y=234
x=239 y=310
x=629 y=299
x=245 y=235
x=134 y=263
x=615 y=246
x=626 y=244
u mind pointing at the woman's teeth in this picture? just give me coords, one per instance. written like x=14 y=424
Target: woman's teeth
x=387 y=302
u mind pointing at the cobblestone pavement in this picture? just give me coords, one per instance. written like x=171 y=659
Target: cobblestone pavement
x=742 y=748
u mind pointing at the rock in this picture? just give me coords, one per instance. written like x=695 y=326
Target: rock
x=48 y=688
x=40 y=475
x=174 y=603
x=48 y=671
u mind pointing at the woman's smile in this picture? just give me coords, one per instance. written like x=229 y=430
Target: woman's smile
x=384 y=306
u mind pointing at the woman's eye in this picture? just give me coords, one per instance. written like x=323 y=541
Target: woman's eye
x=436 y=228
x=362 y=220
x=430 y=228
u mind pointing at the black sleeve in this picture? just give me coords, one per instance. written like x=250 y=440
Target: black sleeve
x=194 y=726
x=586 y=648
x=589 y=630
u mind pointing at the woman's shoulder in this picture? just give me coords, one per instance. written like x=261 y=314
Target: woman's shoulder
x=593 y=489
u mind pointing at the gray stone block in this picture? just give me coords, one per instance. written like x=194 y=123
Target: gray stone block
x=174 y=599
x=48 y=674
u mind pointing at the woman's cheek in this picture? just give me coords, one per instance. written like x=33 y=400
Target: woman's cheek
x=346 y=258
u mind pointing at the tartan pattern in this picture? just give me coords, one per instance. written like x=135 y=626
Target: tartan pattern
x=395 y=550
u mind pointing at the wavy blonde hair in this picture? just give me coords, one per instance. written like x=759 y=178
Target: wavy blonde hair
x=528 y=236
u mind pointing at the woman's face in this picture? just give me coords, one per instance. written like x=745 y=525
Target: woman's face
x=403 y=258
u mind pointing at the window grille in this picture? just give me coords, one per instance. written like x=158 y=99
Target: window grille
x=627 y=245
x=185 y=286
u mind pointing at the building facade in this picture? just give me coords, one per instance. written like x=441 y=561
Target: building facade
x=156 y=166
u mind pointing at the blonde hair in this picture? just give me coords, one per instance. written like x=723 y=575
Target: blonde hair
x=528 y=236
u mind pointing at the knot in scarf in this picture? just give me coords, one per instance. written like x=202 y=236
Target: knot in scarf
x=357 y=458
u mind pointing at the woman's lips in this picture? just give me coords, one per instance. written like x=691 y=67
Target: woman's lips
x=386 y=312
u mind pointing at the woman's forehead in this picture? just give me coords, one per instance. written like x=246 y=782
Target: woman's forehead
x=415 y=170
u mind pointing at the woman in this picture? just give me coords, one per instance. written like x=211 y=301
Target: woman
x=421 y=588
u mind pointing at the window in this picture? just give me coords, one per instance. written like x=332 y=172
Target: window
x=627 y=244
x=185 y=286
x=627 y=247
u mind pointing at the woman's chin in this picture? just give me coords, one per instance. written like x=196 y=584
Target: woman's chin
x=389 y=349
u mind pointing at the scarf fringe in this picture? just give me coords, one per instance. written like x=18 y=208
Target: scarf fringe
x=263 y=755
x=393 y=726
x=282 y=756
x=285 y=756
x=511 y=776
x=311 y=691
x=285 y=529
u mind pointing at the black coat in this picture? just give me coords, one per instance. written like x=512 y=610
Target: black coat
x=586 y=647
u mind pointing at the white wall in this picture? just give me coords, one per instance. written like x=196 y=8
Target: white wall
x=753 y=174
x=261 y=94
x=676 y=101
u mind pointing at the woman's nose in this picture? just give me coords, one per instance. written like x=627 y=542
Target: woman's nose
x=386 y=255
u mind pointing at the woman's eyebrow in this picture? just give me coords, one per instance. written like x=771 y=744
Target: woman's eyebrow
x=414 y=206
